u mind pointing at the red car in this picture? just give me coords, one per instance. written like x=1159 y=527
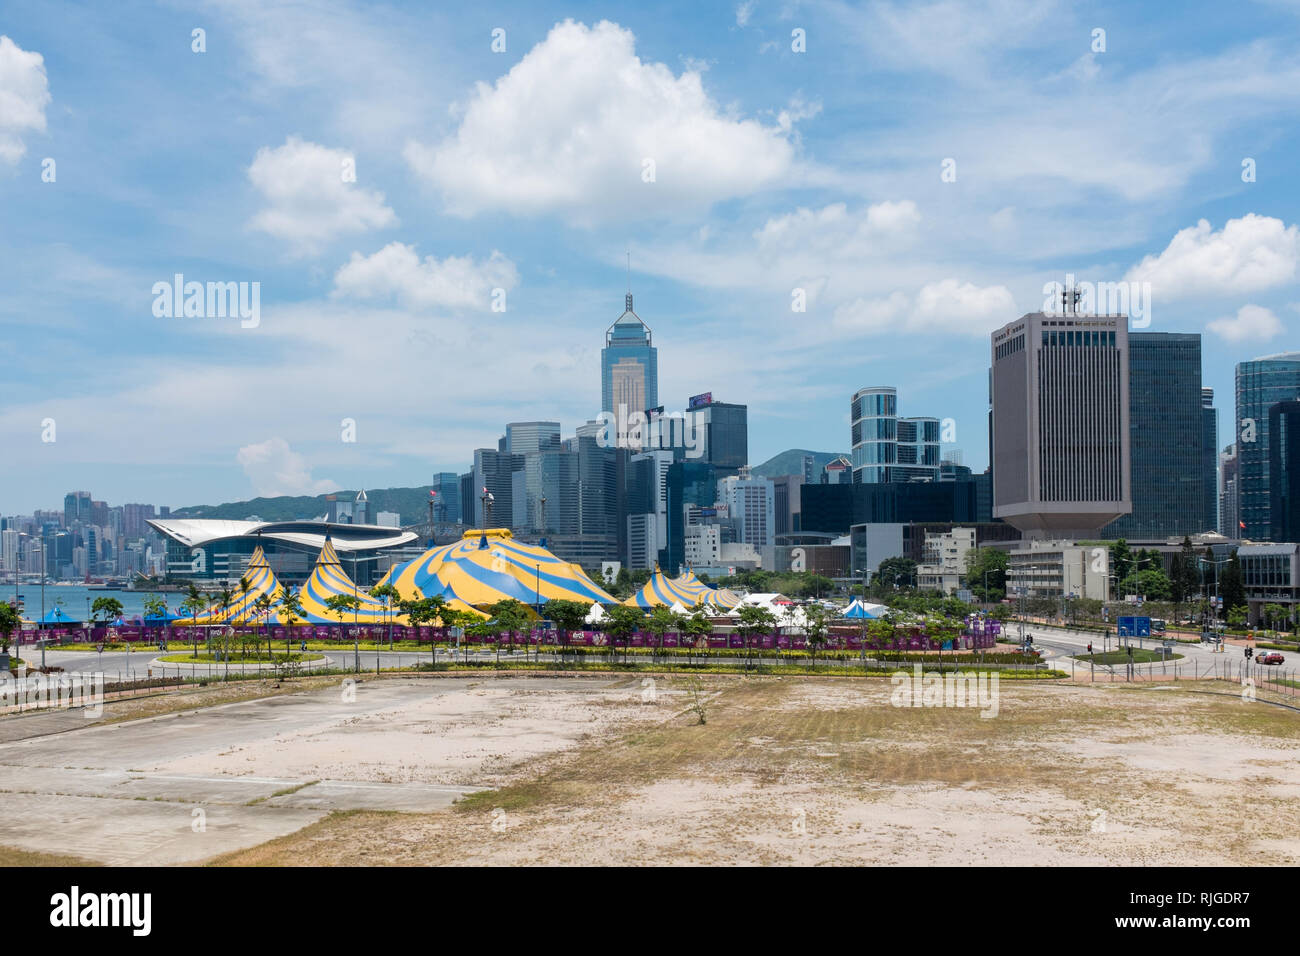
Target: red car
x=1273 y=657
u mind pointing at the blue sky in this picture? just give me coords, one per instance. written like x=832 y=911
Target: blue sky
x=524 y=171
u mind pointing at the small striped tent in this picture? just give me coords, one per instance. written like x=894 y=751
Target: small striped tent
x=720 y=599
x=662 y=591
x=261 y=581
x=488 y=566
x=328 y=579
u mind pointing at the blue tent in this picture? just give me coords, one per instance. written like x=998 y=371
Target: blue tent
x=857 y=610
x=56 y=615
x=166 y=617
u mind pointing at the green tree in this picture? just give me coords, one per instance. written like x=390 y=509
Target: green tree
x=105 y=609
x=509 y=617
x=987 y=564
x=694 y=626
x=621 y=622
x=754 y=620
x=1230 y=584
x=291 y=611
x=816 y=628
x=387 y=594
x=1121 y=560
x=657 y=623
x=10 y=621
x=1152 y=584
x=1273 y=614
x=262 y=609
x=568 y=616
x=193 y=603
x=894 y=573
x=340 y=605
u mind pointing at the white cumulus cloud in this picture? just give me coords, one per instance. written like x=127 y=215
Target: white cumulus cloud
x=948 y=306
x=309 y=197
x=396 y=272
x=1247 y=255
x=569 y=130
x=273 y=468
x=1252 y=323
x=24 y=94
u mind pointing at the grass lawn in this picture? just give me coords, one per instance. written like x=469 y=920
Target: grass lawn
x=235 y=658
x=1141 y=655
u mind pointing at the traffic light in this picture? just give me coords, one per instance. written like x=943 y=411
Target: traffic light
x=1248 y=652
x=1090 y=648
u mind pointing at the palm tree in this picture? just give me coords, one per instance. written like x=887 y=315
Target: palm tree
x=339 y=605
x=291 y=610
x=388 y=594
x=262 y=608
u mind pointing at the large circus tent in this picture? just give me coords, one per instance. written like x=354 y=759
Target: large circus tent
x=488 y=566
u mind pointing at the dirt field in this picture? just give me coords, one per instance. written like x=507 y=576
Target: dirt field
x=818 y=771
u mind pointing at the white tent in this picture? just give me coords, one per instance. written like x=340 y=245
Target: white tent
x=596 y=614
x=678 y=608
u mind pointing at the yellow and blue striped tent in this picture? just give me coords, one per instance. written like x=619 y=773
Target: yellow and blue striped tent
x=663 y=591
x=685 y=589
x=261 y=580
x=720 y=599
x=488 y=566
x=327 y=579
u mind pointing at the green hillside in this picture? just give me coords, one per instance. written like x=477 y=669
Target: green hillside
x=410 y=503
x=790 y=462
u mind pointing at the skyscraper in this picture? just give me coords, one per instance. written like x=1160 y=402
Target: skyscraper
x=1261 y=384
x=1061 y=423
x=446 y=503
x=494 y=471
x=523 y=438
x=751 y=506
x=887 y=448
x=724 y=430
x=1209 y=460
x=629 y=367
x=1229 y=513
x=1284 y=471
x=1166 y=427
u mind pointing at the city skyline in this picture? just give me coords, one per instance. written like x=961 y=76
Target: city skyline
x=837 y=180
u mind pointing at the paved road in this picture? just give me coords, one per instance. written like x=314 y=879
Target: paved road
x=105 y=792
x=1061 y=644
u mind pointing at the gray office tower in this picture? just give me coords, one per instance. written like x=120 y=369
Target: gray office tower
x=1261 y=384
x=1166 y=434
x=493 y=476
x=446 y=503
x=1284 y=470
x=1210 y=459
x=722 y=430
x=1060 y=421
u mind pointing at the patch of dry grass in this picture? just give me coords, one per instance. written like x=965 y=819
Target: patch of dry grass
x=1037 y=769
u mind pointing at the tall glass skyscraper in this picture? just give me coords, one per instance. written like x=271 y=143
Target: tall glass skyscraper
x=629 y=366
x=1261 y=384
x=887 y=448
x=1166 y=429
x=1284 y=470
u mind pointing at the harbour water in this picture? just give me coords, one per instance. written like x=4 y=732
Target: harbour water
x=77 y=599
